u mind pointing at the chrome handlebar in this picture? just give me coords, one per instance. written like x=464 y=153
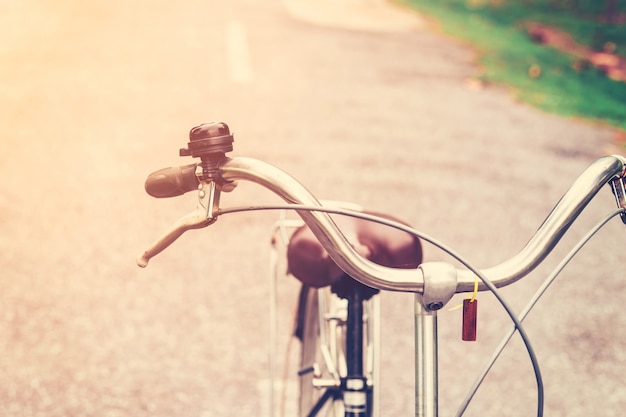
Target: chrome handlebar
x=607 y=170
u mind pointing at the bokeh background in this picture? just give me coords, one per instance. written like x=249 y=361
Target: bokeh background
x=359 y=100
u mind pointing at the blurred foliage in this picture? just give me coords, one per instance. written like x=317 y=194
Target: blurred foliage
x=543 y=76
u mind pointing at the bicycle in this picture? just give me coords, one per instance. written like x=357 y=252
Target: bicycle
x=325 y=255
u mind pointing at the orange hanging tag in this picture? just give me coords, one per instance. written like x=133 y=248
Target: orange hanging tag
x=470 y=312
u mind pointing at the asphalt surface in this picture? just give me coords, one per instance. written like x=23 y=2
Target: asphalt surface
x=96 y=95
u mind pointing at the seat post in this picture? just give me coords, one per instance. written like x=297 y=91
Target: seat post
x=355 y=389
x=354 y=330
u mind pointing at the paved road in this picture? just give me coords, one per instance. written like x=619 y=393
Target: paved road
x=95 y=95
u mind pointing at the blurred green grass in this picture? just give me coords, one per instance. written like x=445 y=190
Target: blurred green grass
x=496 y=28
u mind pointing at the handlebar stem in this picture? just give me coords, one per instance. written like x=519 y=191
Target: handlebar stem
x=440 y=282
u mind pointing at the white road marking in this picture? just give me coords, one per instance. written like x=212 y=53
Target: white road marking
x=238 y=52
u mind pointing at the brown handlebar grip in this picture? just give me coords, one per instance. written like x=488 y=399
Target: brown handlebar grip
x=172 y=182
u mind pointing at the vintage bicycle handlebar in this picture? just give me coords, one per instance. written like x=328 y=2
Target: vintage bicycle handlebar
x=225 y=172
x=434 y=283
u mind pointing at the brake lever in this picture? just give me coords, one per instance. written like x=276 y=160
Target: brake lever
x=205 y=214
x=619 y=191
